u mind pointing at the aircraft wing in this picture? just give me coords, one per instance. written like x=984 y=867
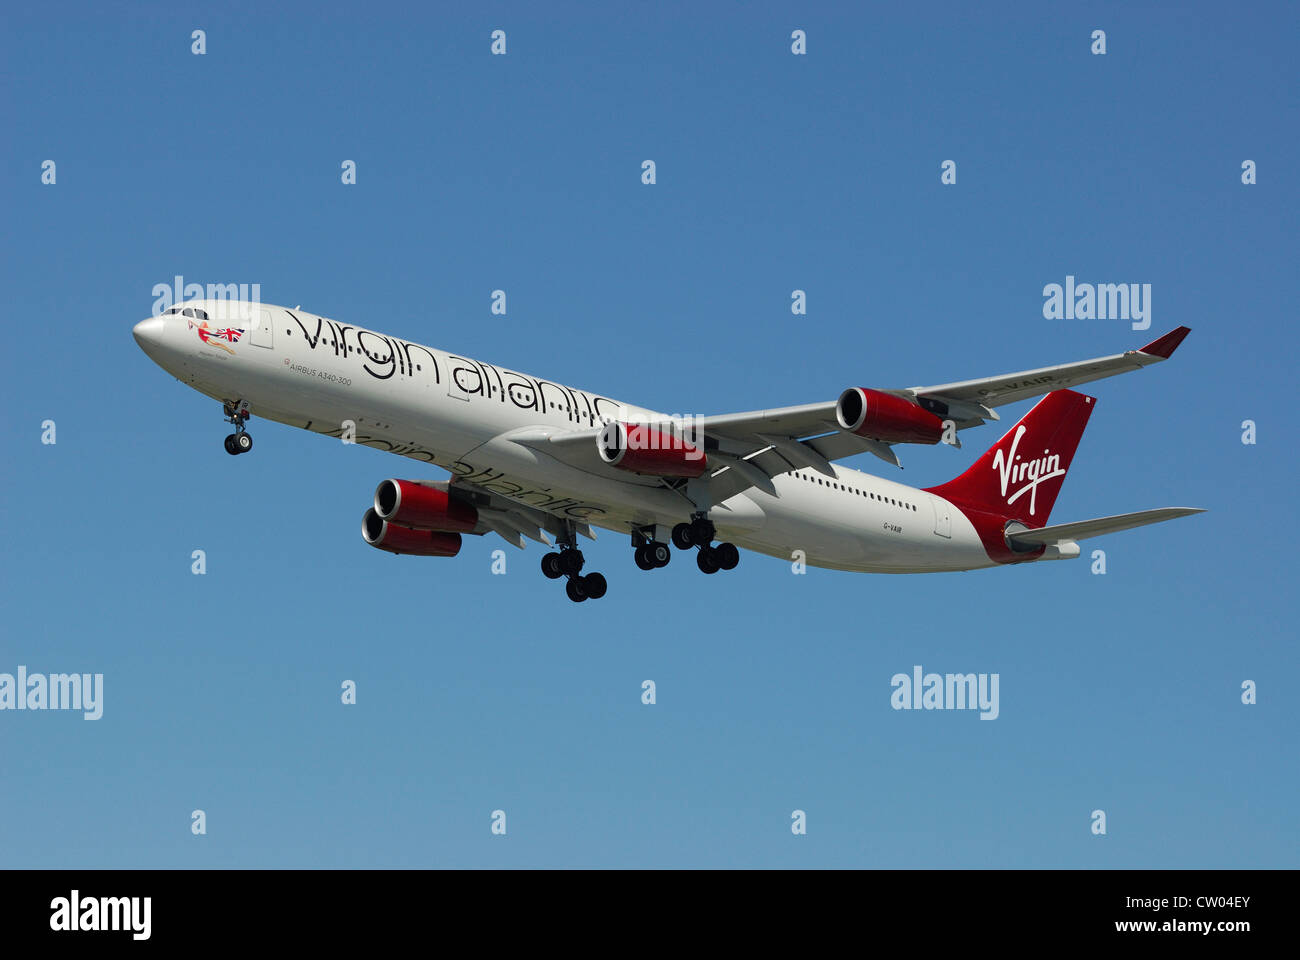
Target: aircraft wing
x=991 y=392
x=748 y=449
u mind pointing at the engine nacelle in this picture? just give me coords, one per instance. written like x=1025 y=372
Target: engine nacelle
x=883 y=416
x=378 y=532
x=641 y=448
x=423 y=507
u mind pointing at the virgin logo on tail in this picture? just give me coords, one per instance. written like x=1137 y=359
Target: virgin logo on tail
x=1011 y=469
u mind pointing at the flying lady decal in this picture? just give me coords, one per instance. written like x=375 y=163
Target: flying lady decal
x=214 y=337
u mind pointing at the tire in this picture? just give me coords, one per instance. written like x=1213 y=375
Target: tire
x=727 y=556
x=707 y=560
x=230 y=445
x=571 y=562
x=594 y=585
x=551 y=566
x=574 y=589
x=640 y=555
x=243 y=442
x=682 y=536
x=658 y=554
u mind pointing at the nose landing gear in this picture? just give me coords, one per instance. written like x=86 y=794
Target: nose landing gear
x=241 y=441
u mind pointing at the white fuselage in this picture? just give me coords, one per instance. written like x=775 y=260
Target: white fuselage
x=439 y=408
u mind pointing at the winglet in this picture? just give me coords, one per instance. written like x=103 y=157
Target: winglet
x=1164 y=347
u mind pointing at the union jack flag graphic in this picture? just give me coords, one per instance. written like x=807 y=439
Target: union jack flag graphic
x=210 y=336
x=229 y=334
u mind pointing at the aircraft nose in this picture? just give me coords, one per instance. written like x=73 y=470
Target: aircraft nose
x=149 y=332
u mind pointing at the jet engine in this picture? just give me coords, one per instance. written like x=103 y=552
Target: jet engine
x=394 y=538
x=645 y=449
x=423 y=506
x=883 y=416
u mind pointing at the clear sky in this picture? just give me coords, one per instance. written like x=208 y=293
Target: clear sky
x=775 y=172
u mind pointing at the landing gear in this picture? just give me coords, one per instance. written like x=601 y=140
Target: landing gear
x=551 y=566
x=648 y=550
x=707 y=560
x=240 y=441
x=651 y=555
x=568 y=562
x=590 y=587
x=699 y=532
x=724 y=556
x=571 y=562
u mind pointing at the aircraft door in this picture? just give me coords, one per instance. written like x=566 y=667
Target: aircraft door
x=263 y=333
x=942 y=517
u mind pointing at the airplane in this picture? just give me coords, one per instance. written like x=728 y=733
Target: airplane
x=532 y=458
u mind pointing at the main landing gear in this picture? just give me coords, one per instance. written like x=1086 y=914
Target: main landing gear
x=699 y=532
x=648 y=552
x=567 y=562
x=241 y=441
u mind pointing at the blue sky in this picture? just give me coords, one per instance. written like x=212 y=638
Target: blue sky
x=775 y=172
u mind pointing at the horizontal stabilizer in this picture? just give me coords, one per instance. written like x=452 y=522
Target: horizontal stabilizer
x=1095 y=528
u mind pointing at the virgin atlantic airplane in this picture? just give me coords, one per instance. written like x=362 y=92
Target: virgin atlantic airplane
x=534 y=458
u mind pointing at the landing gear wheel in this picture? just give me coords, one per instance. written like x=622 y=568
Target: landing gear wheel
x=593 y=585
x=230 y=445
x=682 y=536
x=640 y=554
x=571 y=562
x=551 y=566
x=727 y=555
x=243 y=442
x=575 y=590
x=658 y=553
x=707 y=560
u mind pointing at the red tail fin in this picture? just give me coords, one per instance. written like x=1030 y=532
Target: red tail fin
x=1019 y=477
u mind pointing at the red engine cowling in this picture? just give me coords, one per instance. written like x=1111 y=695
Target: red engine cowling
x=378 y=532
x=645 y=449
x=883 y=416
x=423 y=507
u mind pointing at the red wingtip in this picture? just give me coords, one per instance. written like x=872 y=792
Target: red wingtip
x=1166 y=345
